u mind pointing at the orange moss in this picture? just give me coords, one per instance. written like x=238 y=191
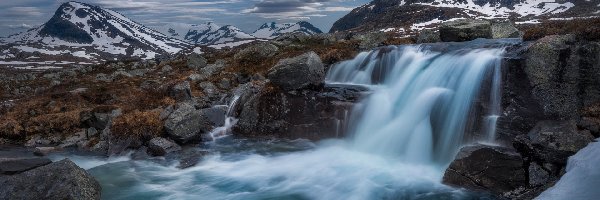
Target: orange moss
x=138 y=125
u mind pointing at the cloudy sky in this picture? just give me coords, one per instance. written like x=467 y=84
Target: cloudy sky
x=20 y=15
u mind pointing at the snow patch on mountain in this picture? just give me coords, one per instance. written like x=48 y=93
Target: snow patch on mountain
x=525 y=8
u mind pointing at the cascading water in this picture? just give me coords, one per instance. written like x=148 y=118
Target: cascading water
x=421 y=102
x=230 y=120
x=407 y=131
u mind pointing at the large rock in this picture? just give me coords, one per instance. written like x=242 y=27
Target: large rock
x=181 y=91
x=429 y=36
x=465 y=30
x=186 y=124
x=298 y=72
x=257 y=51
x=504 y=30
x=370 y=40
x=9 y=166
x=59 y=180
x=161 y=146
x=310 y=114
x=196 y=61
x=487 y=168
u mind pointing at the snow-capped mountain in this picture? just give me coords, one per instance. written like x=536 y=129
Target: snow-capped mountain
x=414 y=15
x=213 y=34
x=80 y=30
x=207 y=35
x=272 y=30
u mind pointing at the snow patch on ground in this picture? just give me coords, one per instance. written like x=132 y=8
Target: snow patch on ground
x=582 y=179
x=231 y=44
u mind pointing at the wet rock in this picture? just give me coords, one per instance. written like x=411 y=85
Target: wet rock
x=257 y=51
x=98 y=119
x=10 y=166
x=181 y=91
x=91 y=132
x=43 y=151
x=429 y=36
x=553 y=142
x=161 y=146
x=505 y=30
x=298 y=72
x=465 y=30
x=215 y=115
x=58 y=180
x=190 y=158
x=196 y=61
x=225 y=84
x=538 y=175
x=186 y=124
x=487 y=168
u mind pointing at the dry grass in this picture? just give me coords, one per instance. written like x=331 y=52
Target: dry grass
x=142 y=125
x=55 y=123
x=586 y=29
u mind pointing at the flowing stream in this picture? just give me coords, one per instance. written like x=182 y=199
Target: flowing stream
x=407 y=132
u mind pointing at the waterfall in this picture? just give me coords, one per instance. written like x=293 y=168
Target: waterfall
x=421 y=101
x=230 y=120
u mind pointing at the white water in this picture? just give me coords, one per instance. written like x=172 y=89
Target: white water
x=411 y=127
x=421 y=107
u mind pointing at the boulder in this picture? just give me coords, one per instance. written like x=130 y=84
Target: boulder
x=298 y=72
x=370 y=40
x=58 y=180
x=215 y=115
x=161 y=146
x=196 y=61
x=429 y=36
x=257 y=51
x=10 y=166
x=43 y=151
x=181 y=91
x=186 y=124
x=465 y=30
x=553 y=142
x=505 y=30
x=487 y=168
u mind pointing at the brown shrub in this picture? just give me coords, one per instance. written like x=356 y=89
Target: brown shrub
x=62 y=123
x=139 y=125
x=585 y=29
x=10 y=128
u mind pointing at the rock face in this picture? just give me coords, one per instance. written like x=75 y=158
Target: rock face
x=161 y=146
x=465 y=30
x=487 y=168
x=58 y=180
x=310 y=114
x=186 y=124
x=298 y=72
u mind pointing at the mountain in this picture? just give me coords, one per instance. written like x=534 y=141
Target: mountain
x=206 y=34
x=213 y=34
x=83 y=31
x=414 y=15
x=272 y=30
